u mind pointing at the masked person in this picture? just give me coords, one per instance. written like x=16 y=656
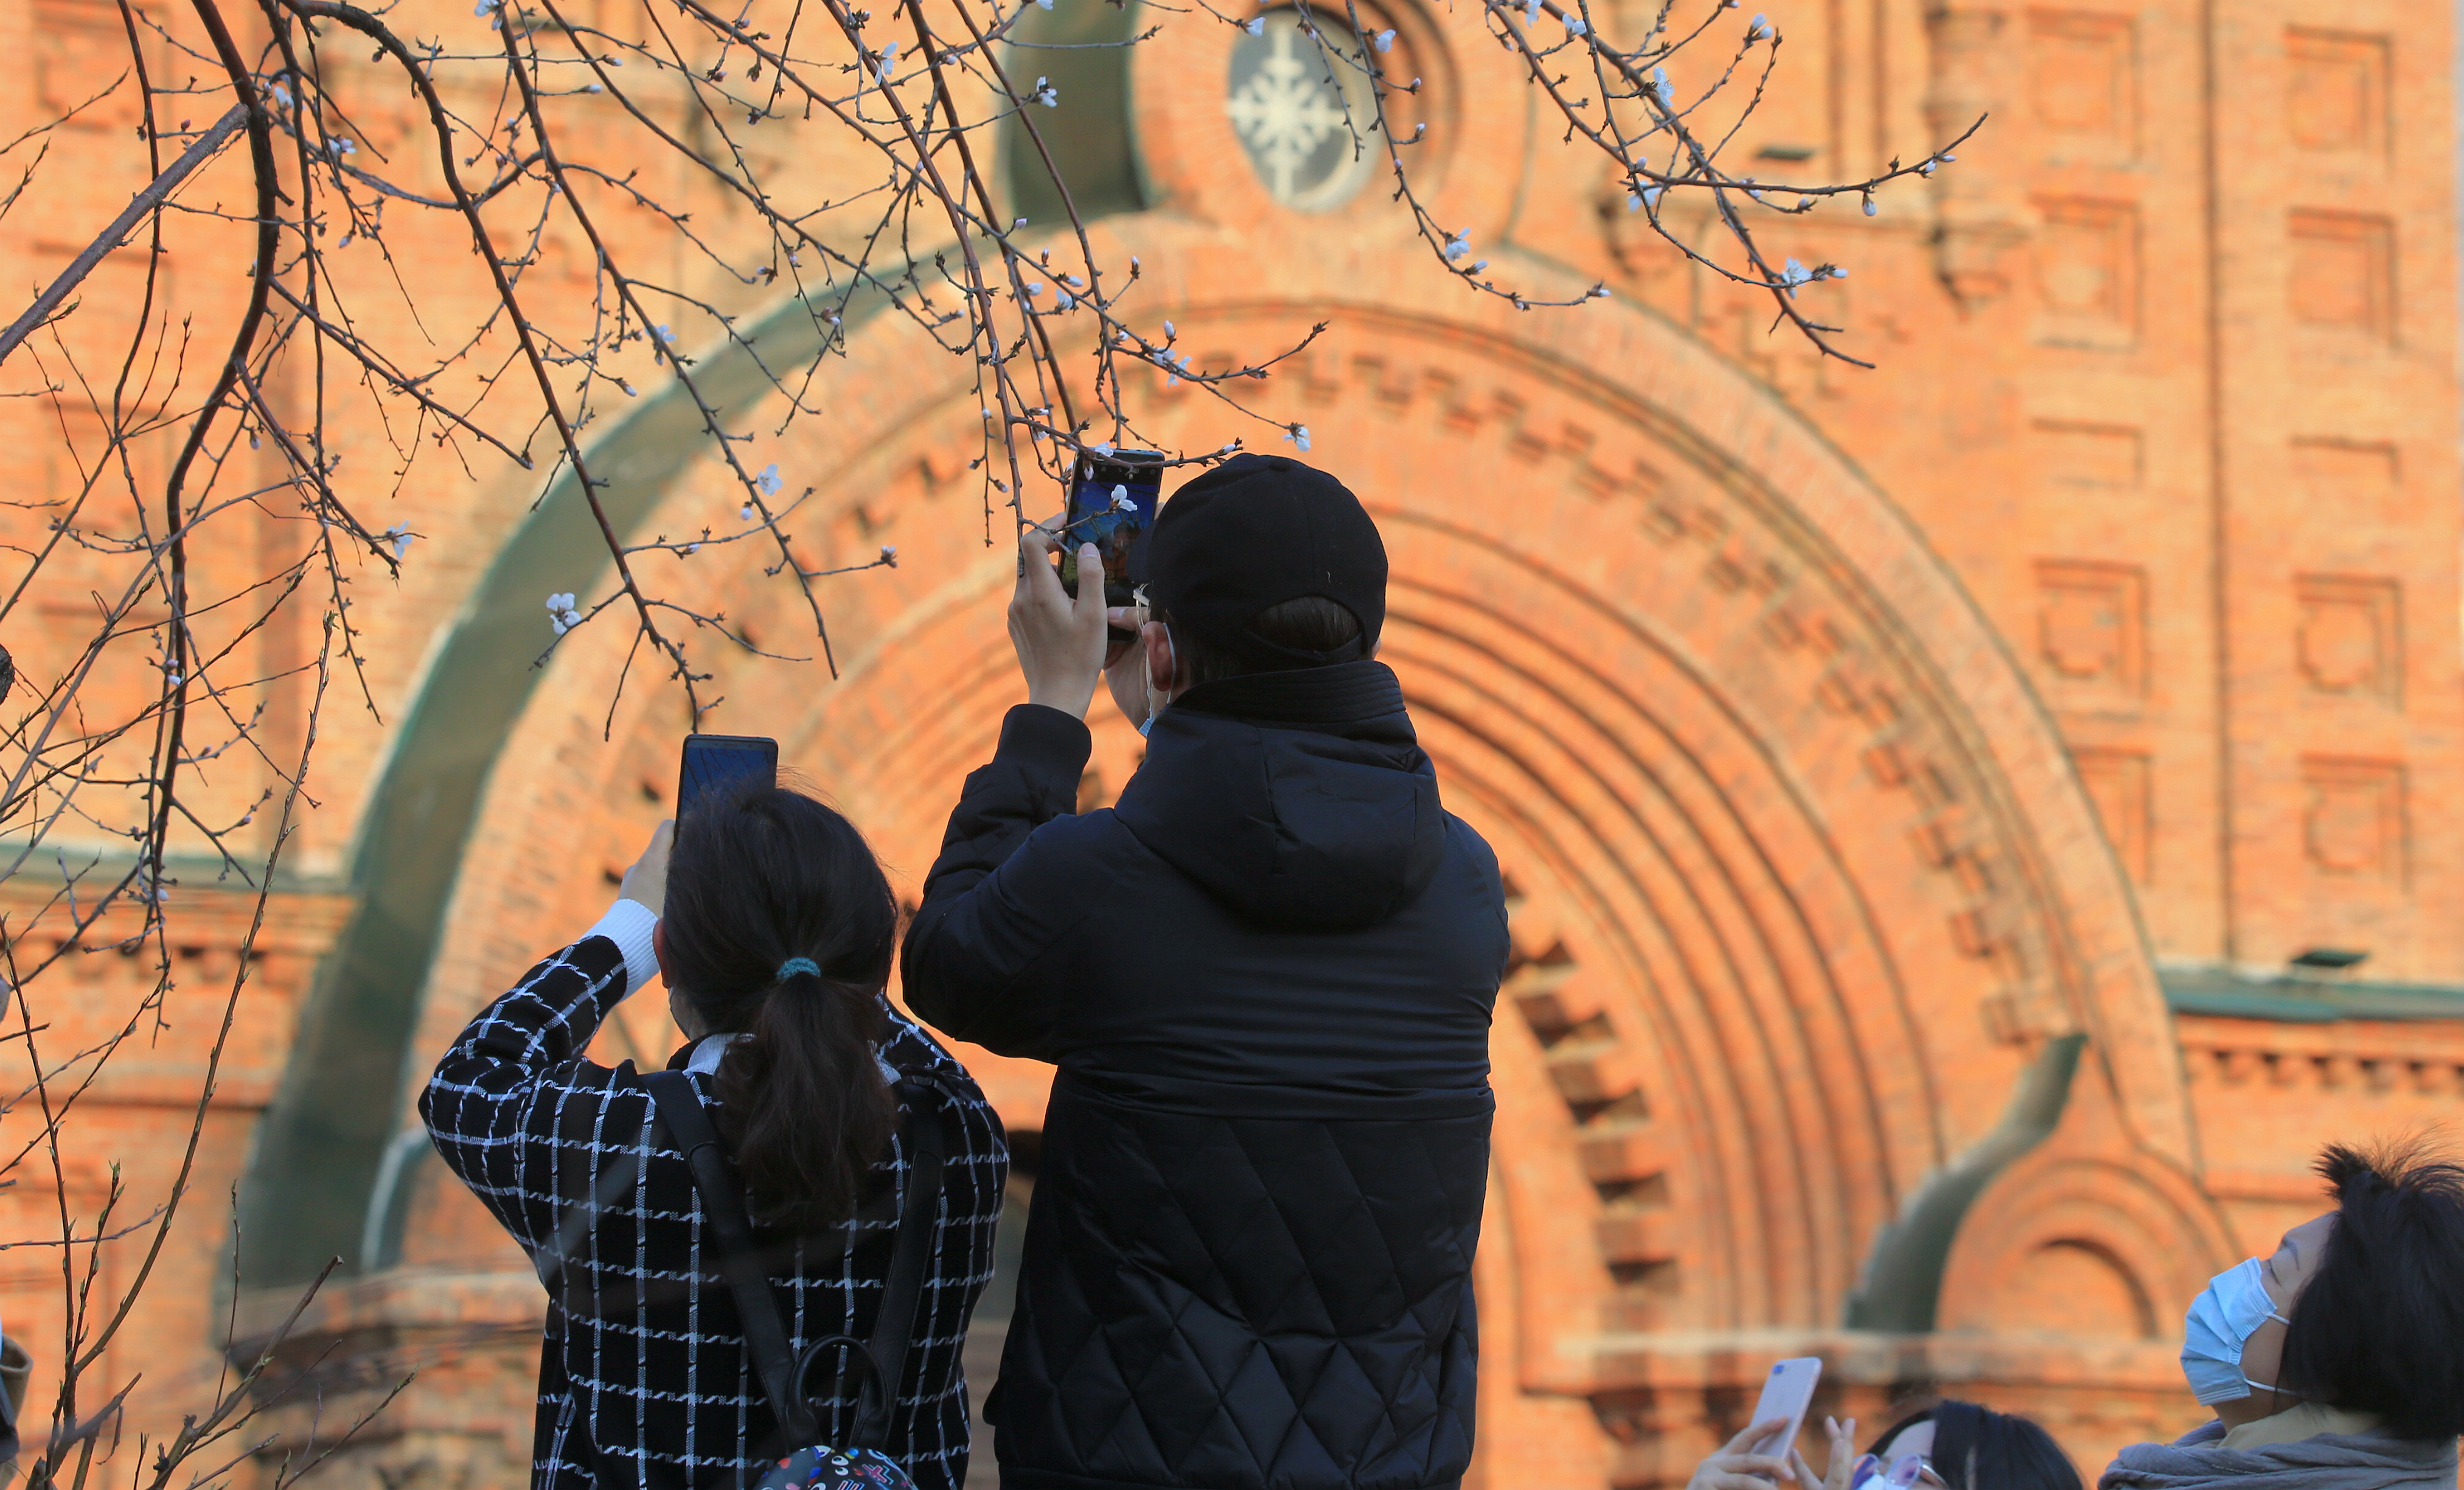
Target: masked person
x=1951 y=1445
x=1265 y=976
x=2338 y=1362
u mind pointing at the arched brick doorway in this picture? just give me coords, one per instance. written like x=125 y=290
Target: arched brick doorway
x=1806 y=887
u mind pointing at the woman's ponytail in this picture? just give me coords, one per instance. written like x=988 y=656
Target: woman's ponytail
x=770 y=883
x=804 y=1101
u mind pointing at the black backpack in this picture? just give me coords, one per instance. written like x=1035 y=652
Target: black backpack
x=807 y=1463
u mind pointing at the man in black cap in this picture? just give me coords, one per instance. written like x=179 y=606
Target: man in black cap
x=1267 y=978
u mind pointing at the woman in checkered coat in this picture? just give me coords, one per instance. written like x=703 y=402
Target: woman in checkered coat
x=775 y=942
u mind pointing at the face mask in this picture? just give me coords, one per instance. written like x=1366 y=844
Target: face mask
x=2220 y=1322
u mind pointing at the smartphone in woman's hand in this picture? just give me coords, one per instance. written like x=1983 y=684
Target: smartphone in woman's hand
x=723 y=762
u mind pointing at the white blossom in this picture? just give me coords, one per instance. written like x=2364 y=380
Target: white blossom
x=769 y=481
x=889 y=60
x=1121 y=502
x=1047 y=95
x=1297 y=434
x=1102 y=448
x=1760 y=30
x=664 y=334
x=560 y=613
x=1574 y=26
x=1459 y=244
x=1869 y=206
x=1256 y=26
x=889 y=551
x=1385 y=41
x=1167 y=331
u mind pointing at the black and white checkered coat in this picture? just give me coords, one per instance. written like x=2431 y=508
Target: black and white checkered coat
x=644 y=1380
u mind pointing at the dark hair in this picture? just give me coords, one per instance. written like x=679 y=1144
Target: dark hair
x=1312 y=623
x=755 y=879
x=2376 y=1327
x=1976 y=1448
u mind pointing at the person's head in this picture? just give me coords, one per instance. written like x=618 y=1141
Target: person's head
x=758 y=880
x=2374 y=1290
x=1259 y=565
x=1976 y=1448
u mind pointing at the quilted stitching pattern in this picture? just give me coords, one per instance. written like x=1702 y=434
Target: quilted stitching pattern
x=1248 y=1302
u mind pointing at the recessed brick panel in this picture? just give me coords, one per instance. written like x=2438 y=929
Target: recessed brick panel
x=2355 y=827
x=2351 y=640
x=2352 y=484
x=2092 y=632
x=2073 y=454
x=2340 y=276
x=2337 y=94
x=2083 y=79
x=2087 y=272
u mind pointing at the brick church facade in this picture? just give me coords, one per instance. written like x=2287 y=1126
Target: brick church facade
x=1918 y=787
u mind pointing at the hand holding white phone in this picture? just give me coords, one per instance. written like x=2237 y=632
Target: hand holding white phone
x=1788 y=1393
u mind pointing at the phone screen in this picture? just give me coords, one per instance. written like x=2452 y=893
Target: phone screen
x=720 y=763
x=1787 y=1393
x=1112 y=505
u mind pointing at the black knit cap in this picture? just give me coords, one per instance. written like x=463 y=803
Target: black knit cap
x=1255 y=532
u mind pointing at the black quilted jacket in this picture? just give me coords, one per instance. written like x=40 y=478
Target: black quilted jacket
x=1266 y=979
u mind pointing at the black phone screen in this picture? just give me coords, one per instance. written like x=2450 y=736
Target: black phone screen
x=717 y=763
x=1112 y=505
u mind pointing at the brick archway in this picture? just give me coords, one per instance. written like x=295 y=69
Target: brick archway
x=1804 y=881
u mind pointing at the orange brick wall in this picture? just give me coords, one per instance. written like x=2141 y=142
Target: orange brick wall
x=1853 y=739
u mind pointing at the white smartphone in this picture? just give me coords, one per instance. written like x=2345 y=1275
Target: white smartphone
x=1787 y=1393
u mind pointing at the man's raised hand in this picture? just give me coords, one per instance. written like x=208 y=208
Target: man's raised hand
x=1060 y=641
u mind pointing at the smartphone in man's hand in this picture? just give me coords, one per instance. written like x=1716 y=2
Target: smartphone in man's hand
x=716 y=764
x=1112 y=505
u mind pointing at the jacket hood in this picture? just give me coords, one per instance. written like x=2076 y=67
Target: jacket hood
x=1302 y=799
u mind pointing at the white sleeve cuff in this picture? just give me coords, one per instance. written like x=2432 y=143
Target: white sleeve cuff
x=628 y=924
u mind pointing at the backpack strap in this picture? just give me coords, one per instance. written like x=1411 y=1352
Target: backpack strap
x=782 y=1375
x=756 y=1308
x=902 y=1293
